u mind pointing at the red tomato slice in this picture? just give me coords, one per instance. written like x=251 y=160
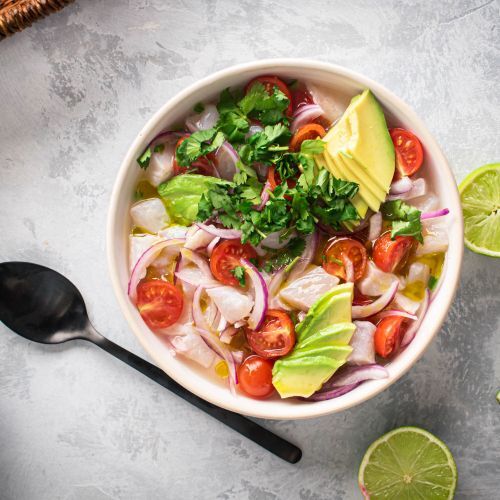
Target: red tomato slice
x=391 y=255
x=276 y=336
x=226 y=256
x=341 y=248
x=255 y=377
x=310 y=131
x=159 y=303
x=409 y=151
x=388 y=335
x=269 y=83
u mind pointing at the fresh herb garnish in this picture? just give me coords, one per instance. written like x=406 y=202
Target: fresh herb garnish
x=199 y=107
x=287 y=256
x=198 y=144
x=159 y=148
x=405 y=219
x=432 y=282
x=239 y=273
x=144 y=159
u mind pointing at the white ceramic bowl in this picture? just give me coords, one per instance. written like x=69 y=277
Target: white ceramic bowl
x=340 y=80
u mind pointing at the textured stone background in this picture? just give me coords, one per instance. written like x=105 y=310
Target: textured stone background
x=74 y=91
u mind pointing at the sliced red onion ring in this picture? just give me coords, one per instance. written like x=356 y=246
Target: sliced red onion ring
x=375 y=226
x=221 y=350
x=377 y=305
x=334 y=393
x=401 y=186
x=412 y=330
x=165 y=136
x=227 y=234
x=264 y=196
x=227 y=158
x=197 y=260
x=145 y=260
x=212 y=244
x=349 y=269
x=304 y=115
x=198 y=316
x=306 y=257
x=395 y=312
x=433 y=215
x=419 y=189
x=355 y=374
x=261 y=295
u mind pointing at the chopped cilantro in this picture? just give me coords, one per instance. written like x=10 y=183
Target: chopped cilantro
x=239 y=273
x=144 y=159
x=312 y=147
x=198 y=144
x=432 y=282
x=405 y=219
x=159 y=148
x=199 y=107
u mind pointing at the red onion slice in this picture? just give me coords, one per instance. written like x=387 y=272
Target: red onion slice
x=145 y=260
x=264 y=196
x=401 y=186
x=412 y=330
x=395 y=312
x=356 y=374
x=227 y=158
x=261 y=295
x=433 y=215
x=227 y=234
x=198 y=316
x=377 y=305
x=304 y=115
x=306 y=257
x=349 y=269
x=334 y=393
x=212 y=245
x=221 y=350
x=375 y=226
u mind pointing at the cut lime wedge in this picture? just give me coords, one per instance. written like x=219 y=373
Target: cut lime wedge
x=480 y=197
x=409 y=463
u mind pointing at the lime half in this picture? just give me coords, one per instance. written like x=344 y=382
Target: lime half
x=408 y=463
x=480 y=196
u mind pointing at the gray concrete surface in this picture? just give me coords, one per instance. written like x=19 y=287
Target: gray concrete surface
x=74 y=91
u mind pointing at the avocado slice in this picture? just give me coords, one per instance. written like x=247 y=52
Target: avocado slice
x=365 y=192
x=339 y=334
x=303 y=376
x=362 y=133
x=332 y=307
x=337 y=352
x=359 y=204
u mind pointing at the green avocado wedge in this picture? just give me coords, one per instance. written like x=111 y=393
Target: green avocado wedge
x=332 y=307
x=303 y=376
x=339 y=334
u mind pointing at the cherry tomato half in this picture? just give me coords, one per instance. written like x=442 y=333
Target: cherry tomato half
x=338 y=250
x=159 y=303
x=276 y=336
x=392 y=254
x=388 y=335
x=255 y=377
x=409 y=151
x=310 y=131
x=226 y=256
x=269 y=83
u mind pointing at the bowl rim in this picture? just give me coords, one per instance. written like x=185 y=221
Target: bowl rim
x=446 y=292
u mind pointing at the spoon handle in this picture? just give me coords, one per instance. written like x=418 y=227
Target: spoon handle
x=251 y=430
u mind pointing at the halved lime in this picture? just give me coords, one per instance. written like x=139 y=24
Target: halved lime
x=408 y=463
x=480 y=196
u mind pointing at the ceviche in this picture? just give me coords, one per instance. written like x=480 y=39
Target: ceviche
x=283 y=243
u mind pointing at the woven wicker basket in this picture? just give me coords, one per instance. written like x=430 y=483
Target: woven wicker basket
x=15 y=15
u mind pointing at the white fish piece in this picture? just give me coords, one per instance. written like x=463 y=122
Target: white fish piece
x=204 y=120
x=194 y=347
x=150 y=214
x=304 y=291
x=435 y=237
x=232 y=304
x=418 y=271
x=197 y=238
x=362 y=343
x=375 y=281
x=173 y=232
x=332 y=106
x=138 y=244
x=402 y=302
x=427 y=203
x=161 y=165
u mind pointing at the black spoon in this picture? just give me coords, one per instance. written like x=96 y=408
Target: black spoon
x=42 y=305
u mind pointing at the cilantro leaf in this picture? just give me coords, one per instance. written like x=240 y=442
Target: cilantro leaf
x=405 y=219
x=198 y=144
x=144 y=159
x=432 y=282
x=312 y=147
x=239 y=273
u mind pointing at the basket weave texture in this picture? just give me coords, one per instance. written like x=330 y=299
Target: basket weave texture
x=15 y=15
